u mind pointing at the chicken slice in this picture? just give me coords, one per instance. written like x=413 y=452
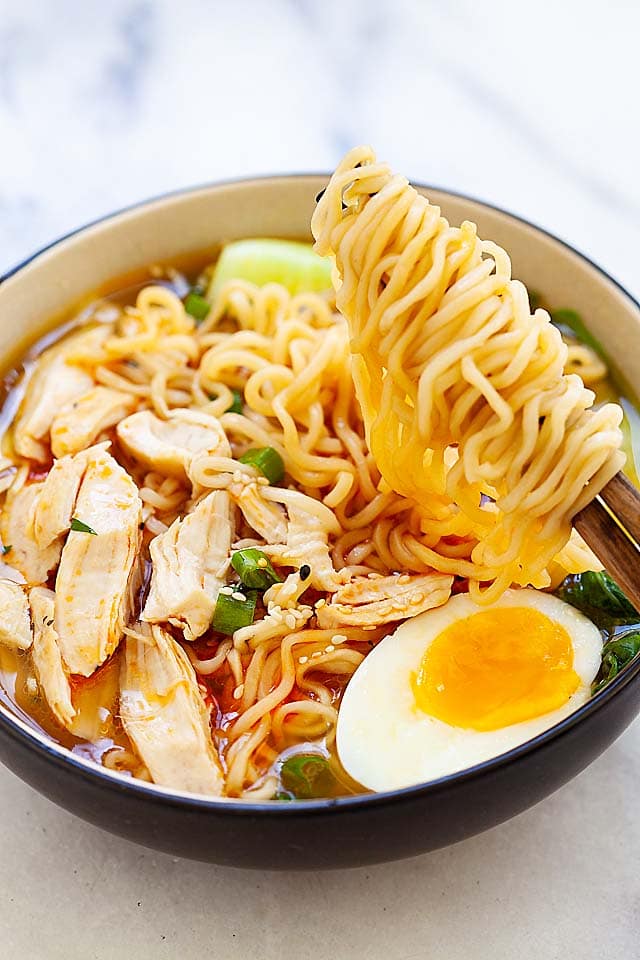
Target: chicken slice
x=364 y=602
x=188 y=566
x=55 y=382
x=16 y=528
x=47 y=659
x=307 y=537
x=92 y=595
x=265 y=518
x=168 y=446
x=54 y=506
x=15 y=622
x=82 y=420
x=165 y=716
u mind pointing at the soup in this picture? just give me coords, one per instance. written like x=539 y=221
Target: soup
x=201 y=555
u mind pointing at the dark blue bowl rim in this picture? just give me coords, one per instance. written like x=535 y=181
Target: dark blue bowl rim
x=92 y=771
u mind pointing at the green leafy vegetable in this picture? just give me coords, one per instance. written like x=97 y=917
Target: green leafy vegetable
x=196 y=305
x=535 y=300
x=80 y=527
x=599 y=598
x=292 y=264
x=568 y=321
x=267 y=460
x=307 y=775
x=254 y=568
x=615 y=654
x=237 y=404
x=5 y=550
x=233 y=611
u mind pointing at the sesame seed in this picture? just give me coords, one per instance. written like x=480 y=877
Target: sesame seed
x=290 y=621
x=303 y=660
x=237 y=595
x=417 y=598
x=339 y=638
x=364 y=628
x=320 y=603
x=239 y=690
x=329 y=649
x=228 y=591
x=32 y=687
x=263 y=562
x=316 y=653
x=404 y=578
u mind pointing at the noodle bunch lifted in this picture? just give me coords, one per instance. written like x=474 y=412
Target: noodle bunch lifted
x=467 y=409
x=207 y=528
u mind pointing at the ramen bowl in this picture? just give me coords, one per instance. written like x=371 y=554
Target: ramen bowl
x=353 y=830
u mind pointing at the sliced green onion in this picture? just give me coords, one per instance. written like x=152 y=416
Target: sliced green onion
x=267 y=460
x=80 y=527
x=237 y=403
x=307 y=775
x=196 y=306
x=5 y=550
x=254 y=568
x=304 y=571
x=568 y=321
x=232 y=613
x=292 y=264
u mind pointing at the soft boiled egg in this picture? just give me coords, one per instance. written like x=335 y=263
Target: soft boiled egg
x=462 y=683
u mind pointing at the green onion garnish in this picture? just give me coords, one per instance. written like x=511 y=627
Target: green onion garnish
x=254 y=568
x=237 y=404
x=196 y=306
x=81 y=527
x=233 y=611
x=307 y=775
x=5 y=550
x=267 y=460
x=568 y=321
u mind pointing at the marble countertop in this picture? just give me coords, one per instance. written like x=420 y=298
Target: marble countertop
x=530 y=106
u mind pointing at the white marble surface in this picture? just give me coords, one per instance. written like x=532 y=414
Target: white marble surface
x=532 y=106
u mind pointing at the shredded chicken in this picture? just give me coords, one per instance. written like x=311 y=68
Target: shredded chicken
x=47 y=659
x=15 y=623
x=55 y=382
x=365 y=602
x=165 y=716
x=81 y=421
x=307 y=537
x=92 y=595
x=168 y=446
x=265 y=518
x=53 y=508
x=189 y=561
x=16 y=526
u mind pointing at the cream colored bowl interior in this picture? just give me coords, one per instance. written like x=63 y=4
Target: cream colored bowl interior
x=282 y=206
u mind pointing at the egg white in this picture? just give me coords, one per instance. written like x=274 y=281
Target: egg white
x=385 y=741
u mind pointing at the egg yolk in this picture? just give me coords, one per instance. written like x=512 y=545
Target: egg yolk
x=495 y=668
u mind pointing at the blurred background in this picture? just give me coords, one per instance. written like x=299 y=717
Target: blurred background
x=532 y=106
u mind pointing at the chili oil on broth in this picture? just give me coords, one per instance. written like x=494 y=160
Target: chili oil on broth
x=103 y=737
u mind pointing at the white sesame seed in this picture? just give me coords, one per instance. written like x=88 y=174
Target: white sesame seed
x=239 y=690
x=237 y=595
x=364 y=628
x=263 y=562
x=329 y=649
x=228 y=591
x=316 y=653
x=320 y=603
x=32 y=687
x=340 y=638
x=290 y=621
x=404 y=578
x=303 y=660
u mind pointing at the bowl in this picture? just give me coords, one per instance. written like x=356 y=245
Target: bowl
x=353 y=830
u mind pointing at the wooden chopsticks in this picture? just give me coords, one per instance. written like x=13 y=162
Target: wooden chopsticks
x=610 y=524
